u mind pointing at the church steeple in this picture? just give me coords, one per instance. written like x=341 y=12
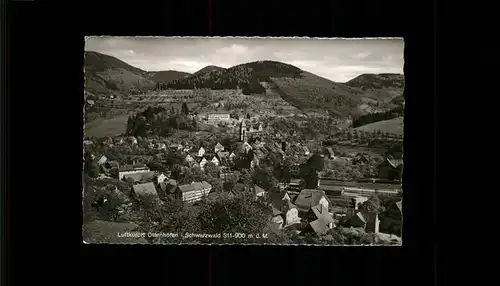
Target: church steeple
x=243 y=131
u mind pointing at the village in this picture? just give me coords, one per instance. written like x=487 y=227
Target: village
x=295 y=190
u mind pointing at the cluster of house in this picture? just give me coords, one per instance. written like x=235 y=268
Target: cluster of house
x=150 y=183
x=201 y=158
x=313 y=211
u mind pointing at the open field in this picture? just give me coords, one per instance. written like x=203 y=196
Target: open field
x=106 y=127
x=394 y=126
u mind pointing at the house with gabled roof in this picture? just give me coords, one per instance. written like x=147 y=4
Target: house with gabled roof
x=319 y=227
x=320 y=212
x=274 y=196
x=202 y=162
x=218 y=148
x=309 y=198
x=259 y=192
x=201 y=152
x=215 y=161
x=232 y=156
x=161 y=178
x=369 y=221
x=284 y=212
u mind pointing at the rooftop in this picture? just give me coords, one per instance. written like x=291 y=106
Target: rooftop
x=140 y=176
x=308 y=198
x=147 y=189
x=195 y=186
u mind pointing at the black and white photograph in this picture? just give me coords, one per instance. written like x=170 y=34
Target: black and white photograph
x=243 y=140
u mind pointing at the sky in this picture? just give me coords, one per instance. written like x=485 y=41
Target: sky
x=336 y=59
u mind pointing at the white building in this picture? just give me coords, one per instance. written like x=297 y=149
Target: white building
x=201 y=152
x=161 y=178
x=218 y=117
x=194 y=191
x=203 y=162
x=219 y=148
x=215 y=161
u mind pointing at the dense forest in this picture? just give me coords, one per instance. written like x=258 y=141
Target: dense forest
x=160 y=121
x=246 y=77
x=379 y=116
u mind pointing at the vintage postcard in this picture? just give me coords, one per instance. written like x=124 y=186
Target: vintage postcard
x=288 y=141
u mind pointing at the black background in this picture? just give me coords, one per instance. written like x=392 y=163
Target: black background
x=45 y=105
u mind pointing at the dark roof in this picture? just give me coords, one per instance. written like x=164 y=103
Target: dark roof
x=308 y=198
x=283 y=206
x=140 y=176
x=276 y=196
x=145 y=189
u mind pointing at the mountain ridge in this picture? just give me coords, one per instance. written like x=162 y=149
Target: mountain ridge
x=304 y=90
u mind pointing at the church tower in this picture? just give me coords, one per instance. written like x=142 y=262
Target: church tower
x=243 y=131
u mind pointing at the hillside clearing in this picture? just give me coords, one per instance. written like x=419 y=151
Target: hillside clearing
x=106 y=127
x=394 y=126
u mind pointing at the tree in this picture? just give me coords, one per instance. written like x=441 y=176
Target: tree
x=374 y=204
x=111 y=208
x=184 y=109
x=248 y=116
x=224 y=213
x=174 y=158
x=234 y=115
x=263 y=177
x=230 y=181
x=211 y=169
x=90 y=167
x=89 y=213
